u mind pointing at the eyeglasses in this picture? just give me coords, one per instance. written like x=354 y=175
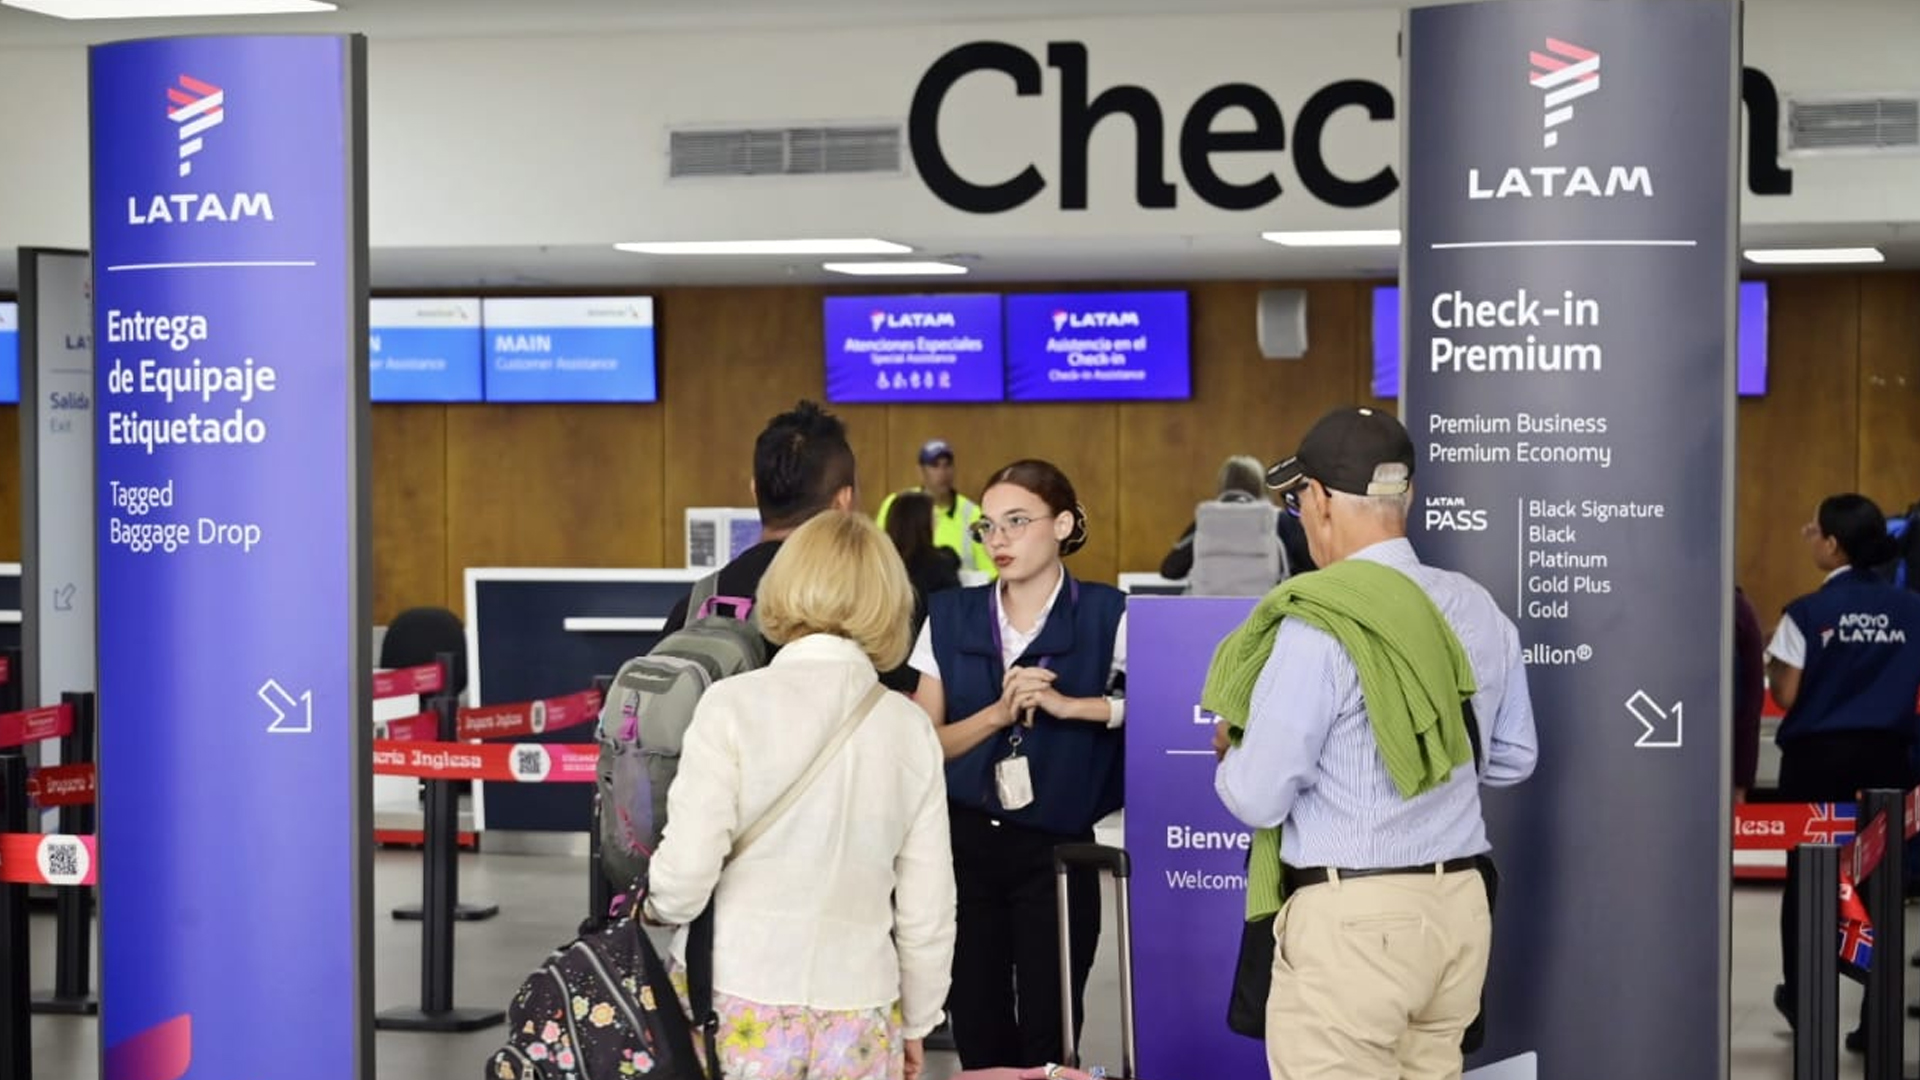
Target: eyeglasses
x=986 y=528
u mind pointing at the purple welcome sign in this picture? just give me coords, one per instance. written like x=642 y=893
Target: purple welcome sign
x=1189 y=854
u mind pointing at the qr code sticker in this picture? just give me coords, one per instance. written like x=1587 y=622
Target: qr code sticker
x=63 y=861
x=531 y=763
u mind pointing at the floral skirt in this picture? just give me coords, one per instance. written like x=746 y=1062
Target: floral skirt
x=792 y=1042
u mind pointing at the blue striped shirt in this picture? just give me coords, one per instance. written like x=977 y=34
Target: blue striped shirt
x=1309 y=762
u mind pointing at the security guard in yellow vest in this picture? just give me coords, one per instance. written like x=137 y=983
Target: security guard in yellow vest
x=954 y=513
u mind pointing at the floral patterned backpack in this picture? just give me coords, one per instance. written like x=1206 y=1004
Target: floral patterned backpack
x=602 y=1008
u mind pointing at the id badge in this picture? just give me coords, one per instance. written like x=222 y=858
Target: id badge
x=1015 y=781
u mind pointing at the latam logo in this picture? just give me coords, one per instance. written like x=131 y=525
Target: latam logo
x=1565 y=72
x=195 y=106
x=911 y=320
x=1088 y=320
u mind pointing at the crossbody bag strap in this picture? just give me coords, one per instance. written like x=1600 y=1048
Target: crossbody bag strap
x=805 y=780
x=700 y=933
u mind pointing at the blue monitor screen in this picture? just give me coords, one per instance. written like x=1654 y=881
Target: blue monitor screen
x=424 y=350
x=914 y=348
x=9 y=353
x=1751 y=380
x=570 y=349
x=1127 y=346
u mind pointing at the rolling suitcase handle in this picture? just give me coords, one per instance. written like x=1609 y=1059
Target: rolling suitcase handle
x=1113 y=860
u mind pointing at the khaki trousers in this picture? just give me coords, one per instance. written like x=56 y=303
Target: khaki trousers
x=1377 y=978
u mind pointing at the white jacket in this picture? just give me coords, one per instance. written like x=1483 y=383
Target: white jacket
x=847 y=902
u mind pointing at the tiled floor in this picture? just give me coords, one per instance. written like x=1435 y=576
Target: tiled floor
x=540 y=899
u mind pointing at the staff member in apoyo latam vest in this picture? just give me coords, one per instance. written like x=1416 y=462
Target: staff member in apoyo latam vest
x=1845 y=664
x=1023 y=679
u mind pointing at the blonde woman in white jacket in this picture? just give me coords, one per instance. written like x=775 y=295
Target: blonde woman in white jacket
x=834 y=932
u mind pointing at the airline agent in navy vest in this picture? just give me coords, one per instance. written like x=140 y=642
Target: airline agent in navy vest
x=1023 y=679
x=1845 y=664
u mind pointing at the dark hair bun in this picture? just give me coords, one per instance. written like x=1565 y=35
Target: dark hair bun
x=1076 y=539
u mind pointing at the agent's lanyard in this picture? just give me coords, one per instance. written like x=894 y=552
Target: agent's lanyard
x=1014 y=739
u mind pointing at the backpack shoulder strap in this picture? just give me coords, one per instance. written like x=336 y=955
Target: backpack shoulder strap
x=703 y=591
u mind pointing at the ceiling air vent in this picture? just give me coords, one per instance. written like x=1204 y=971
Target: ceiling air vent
x=1857 y=125
x=818 y=150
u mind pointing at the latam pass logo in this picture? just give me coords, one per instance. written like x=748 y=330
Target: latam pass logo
x=1566 y=73
x=195 y=106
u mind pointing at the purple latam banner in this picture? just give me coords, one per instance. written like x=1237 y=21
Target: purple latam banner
x=1751 y=375
x=914 y=348
x=1130 y=346
x=1189 y=854
x=230 y=340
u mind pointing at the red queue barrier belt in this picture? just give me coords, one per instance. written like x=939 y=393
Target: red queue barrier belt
x=63 y=785
x=523 y=718
x=6 y=670
x=420 y=727
x=425 y=679
x=524 y=763
x=514 y=721
x=48 y=859
x=33 y=725
x=1763 y=833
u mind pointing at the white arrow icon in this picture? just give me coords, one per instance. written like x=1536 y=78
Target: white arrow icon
x=63 y=597
x=1654 y=720
x=285 y=720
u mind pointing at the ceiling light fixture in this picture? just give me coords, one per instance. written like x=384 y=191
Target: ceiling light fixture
x=1814 y=256
x=893 y=269
x=1336 y=238
x=766 y=247
x=166 y=9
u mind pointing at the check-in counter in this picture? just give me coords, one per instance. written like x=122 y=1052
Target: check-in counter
x=542 y=632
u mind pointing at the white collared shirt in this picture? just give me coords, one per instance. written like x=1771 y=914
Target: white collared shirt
x=1014 y=641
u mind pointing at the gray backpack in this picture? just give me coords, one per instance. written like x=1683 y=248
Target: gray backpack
x=645 y=719
x=1236 y=548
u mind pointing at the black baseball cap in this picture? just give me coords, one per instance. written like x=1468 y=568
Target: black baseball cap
x=1360 y=451
x=934 y=450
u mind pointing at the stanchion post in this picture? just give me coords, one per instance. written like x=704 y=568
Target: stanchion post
x=1886 y=979
x=461 y=912
x=73 y=930
x=1816 y=1005
x=16 y=1023
x=599 y=894
x=439 y=881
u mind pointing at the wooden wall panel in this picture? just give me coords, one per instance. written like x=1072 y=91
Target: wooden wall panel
x=554 y=485
x=10 y=483
x=1799 y=443
x=1170 y=452
x=730 y=360
x=1889 y=435
x=1081 y=439
x=410 y=510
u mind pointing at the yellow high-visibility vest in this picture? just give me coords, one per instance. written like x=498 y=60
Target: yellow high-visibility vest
x=952 y=530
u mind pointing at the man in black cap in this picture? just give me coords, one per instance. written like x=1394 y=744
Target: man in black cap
x=953 y=513
x=1354 y=700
